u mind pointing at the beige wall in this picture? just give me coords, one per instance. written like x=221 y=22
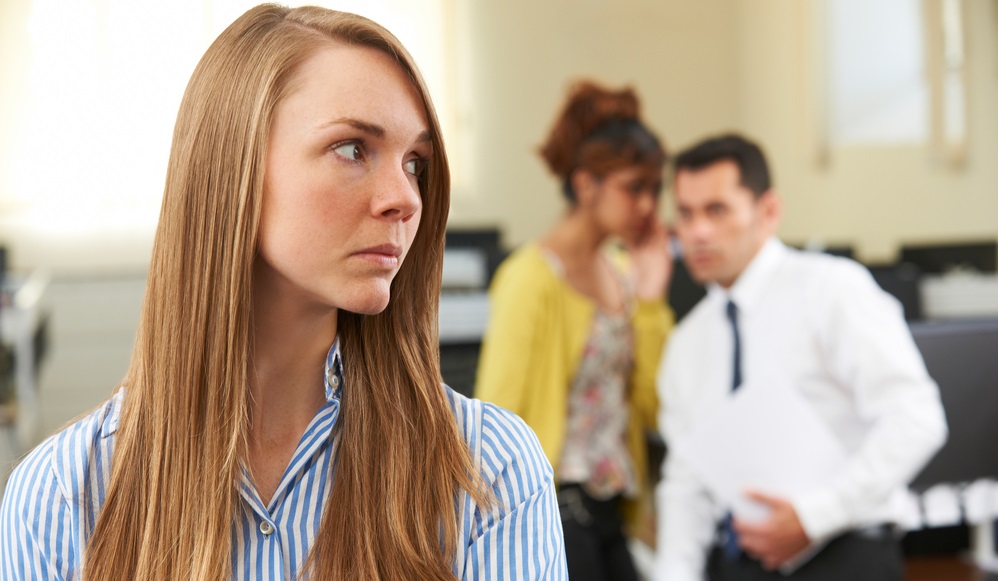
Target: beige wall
x=679 y=55
x=873 y=198
x=700 y=67
x=711 y=66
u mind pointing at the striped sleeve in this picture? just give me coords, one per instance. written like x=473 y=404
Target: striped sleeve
x=520 y=538
x=35 y=522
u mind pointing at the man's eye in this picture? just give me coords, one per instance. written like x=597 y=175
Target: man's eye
x=351 y=151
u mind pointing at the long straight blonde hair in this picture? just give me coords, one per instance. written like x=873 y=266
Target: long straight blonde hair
x=401 y=461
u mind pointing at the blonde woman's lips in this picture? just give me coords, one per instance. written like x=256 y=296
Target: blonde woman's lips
x=383 y=255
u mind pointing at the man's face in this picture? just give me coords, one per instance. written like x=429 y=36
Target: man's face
x=720 y=223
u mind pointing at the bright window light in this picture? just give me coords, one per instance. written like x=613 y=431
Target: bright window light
x=105 y=81
x=879 y=93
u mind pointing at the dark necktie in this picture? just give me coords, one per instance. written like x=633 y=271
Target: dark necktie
x=736 y=375
x=730 y=538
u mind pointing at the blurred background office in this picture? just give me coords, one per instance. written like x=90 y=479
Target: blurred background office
x=880 y=120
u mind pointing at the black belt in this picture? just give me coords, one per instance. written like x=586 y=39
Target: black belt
x=574 y=503
x=881 y=532
x=878 y=532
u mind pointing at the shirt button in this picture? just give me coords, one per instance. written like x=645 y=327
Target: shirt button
x=266 y=528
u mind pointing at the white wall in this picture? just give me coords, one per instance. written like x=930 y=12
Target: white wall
x=13 y=72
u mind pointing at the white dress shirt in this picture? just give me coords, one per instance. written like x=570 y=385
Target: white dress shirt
x=823 y=324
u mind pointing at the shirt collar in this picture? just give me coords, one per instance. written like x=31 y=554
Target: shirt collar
x=751 y=282
x=333 y=372
x=113 y=418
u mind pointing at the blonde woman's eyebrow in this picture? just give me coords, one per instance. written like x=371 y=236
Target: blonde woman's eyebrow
x=370 y=128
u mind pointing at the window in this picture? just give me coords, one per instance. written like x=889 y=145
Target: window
x=895 y=74
x=877 y=82
x=105 y=81
x=949 y=122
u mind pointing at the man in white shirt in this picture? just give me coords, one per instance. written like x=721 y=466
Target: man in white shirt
x=818 y=323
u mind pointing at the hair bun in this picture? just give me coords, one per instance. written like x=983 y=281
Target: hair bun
x=587 y=107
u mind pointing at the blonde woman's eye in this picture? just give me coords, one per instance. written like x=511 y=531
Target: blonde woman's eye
x=351 y=151
x=415 y=166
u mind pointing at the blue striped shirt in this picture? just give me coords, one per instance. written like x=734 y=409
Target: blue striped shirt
x=54 y=496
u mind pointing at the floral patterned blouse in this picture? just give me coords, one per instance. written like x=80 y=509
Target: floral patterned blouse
x=595 y=454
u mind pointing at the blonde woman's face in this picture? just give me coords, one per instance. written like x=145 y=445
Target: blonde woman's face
x=341 y=202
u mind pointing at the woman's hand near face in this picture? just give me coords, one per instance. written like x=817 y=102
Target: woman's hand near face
x=651 y=262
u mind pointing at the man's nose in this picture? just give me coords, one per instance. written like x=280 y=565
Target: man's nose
x=698 y=228
x=647 y=203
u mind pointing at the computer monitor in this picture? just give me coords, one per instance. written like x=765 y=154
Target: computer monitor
x=902 y=281
x=842 y=250
x=939 y=258
x=962 y=356
x=486 y=240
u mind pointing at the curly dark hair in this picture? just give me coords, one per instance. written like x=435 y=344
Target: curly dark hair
x=599 y=130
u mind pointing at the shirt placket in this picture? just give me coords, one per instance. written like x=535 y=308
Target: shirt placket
x=273 y=529
x=269 y=541
x=261 y=548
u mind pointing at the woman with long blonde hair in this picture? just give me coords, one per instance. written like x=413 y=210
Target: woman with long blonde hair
x=283 y=416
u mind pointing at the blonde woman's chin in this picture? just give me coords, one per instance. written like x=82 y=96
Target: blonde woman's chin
x=368 y=299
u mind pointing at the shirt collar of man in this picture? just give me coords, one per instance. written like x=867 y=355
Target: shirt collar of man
x=750 y=284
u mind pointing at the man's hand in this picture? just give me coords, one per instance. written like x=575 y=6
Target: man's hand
x=775 y=540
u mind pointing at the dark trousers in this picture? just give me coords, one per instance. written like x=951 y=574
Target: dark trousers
x=595 y=546
x=850 y=557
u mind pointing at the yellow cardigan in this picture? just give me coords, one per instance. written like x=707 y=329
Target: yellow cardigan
x=538 y=327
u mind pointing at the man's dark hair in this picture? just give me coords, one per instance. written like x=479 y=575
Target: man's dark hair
x=751 y=162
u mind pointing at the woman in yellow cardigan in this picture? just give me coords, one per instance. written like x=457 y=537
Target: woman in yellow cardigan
x=576 y=329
